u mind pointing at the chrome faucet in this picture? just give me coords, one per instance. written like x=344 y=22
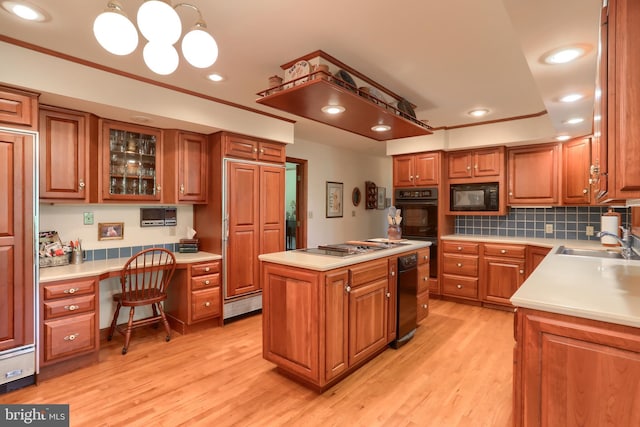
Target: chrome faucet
x=625 y=242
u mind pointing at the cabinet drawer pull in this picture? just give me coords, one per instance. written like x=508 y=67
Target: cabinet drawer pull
x=71 y=307
x=393 y=273
x=459 y=286
x=71 y=337
x=521 y=271
x=347 y=288
x=71 y=290
x=207 y=269
x=459 y=264
x=207 y=304
x=424 y=306
x=503 y=251
x=426 y=257
x=388 y=294
x=181 y=188
x=206 y=282
x=425 y=278
x=459 y=248
x=255 y=149
x=81 y=185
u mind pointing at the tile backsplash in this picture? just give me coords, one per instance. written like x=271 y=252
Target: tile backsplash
x=568 y=222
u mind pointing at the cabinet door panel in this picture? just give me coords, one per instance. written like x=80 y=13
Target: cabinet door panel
x=459 y=164
x=272 y=209
x=271 y=152
x=427 y=169
x=367 y=320
x=192 y=168
x=576 y=159
x=205 y=304
x=533 y=175
x=69 y=336
x=488 y=162
x=336 y=323
x=501 y=280
x=403 y=171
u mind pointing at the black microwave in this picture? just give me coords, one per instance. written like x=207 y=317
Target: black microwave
x=474 y=197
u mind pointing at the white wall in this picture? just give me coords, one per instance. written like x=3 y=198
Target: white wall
x=328 y=163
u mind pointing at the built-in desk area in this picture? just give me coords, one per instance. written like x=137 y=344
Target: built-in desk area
x=69 y=306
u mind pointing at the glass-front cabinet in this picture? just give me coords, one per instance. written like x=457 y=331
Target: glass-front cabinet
x=131 y=162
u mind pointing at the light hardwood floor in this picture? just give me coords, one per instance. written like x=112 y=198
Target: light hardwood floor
x=457 y=371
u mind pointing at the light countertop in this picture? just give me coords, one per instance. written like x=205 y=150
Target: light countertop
x=97 y=268
x=326 y=262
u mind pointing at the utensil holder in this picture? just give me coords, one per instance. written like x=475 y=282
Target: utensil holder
x=77 y=256
x=394 y=232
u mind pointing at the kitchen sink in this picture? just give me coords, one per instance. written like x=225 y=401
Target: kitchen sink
x=594 y=253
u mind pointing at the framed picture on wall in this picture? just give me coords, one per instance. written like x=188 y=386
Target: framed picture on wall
x=111 y=231
x=382 y=195
x=334 y=199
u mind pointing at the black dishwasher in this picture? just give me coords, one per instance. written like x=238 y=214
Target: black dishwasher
x=406 y=314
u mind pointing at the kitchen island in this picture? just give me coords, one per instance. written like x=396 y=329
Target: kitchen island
x=577 y=356
x=325 y=316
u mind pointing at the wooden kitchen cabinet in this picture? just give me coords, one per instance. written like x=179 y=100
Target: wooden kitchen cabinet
x=534 y=255
x=576 y=160
x=186 y=160
x=486 y=164
x=574 y=371
x=502 y=271
x=416 y=170
x=534 y=175
x=245 y=147
x=130 y=167
x=18 y=108
x=423 y=285
x=17 y=155
x=194 y=297
x=392 y=312
x=69 y=326
x=68 y=142
x=460 y=269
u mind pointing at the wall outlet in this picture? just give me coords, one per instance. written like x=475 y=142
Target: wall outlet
x=88 y=218
x=589 y=230
x=353 y=213
x=548 y=228
x=310 y=215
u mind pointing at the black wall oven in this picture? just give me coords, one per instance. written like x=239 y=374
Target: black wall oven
x=420 y=218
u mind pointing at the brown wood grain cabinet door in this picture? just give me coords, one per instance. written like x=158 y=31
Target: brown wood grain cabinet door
x=535 y=255
x=16 y=247
x=427 y=169
x=243 y=209
x=336 y=323
x=459 y=164
x=576 y=159
x=367 y=320
x=392 y=298
x=272 y=237
x=488 y=162
x=534 y=175
x=501 y=278
x=18 y=108
x=192 y=167
x=403 y=170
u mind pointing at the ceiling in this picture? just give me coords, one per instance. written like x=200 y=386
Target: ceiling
x=446 y=57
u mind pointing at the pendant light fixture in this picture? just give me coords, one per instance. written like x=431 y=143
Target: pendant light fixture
x=160 y=25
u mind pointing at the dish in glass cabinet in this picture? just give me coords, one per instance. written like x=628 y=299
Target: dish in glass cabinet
x=405 y=107
x=342 y=77
x=356 y=196
x=297 y=70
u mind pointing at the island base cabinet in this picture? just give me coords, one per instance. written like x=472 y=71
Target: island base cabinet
x=570 y=371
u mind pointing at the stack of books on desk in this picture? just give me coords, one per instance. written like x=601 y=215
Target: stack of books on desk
x=188 y=246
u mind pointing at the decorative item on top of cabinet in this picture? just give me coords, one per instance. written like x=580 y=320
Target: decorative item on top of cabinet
x=576 y=159
x=370 y=195
x=246 y=147
x=460 y=269
x=480 y=165
x=186 y=161
x=423 y=284
x=416 y=170
x=502 y=272
x=68 y=142
x=534 y=174
x=18 y=107
x=195 y=297
x=131 y=162
x=68 y=325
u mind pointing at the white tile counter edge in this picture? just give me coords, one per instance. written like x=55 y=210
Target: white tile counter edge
x=325 y=262
x=96 y=268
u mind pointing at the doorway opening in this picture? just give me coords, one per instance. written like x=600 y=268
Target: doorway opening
x=295 y=203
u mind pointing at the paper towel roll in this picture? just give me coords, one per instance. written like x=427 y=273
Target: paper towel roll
x=609 y=223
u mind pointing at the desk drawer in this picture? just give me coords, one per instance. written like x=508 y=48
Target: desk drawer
x=69 y=336
x=460 y=286
x=68 y=288
x=205 y=304
x=466 y=265
x=69 y=306
x=423 y=256
x=203 y=282
x=205 y=268
x=460 y=247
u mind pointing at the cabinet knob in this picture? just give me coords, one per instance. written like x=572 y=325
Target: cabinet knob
x=410 y=177
x=468 y=168
x=503 y=251
x=71 y=307
x=521 y=271
x=475 y=166
x=425 y=278
x=181 y=188
x=424 y=306
x=207 y=304
x=206 y=282
x=388 y=294
x=81 y=185
x=158 y=188
x=426 y=257
x=262 y=151
x=585 y=191
x=417 y=176
x=255 y=150
x=71 y=337
x=459 y=264
x=393 y=273
x=459 y=286
x=207 y=269
x=347 y=288
x=71 y=290
x=511 y=193
x=459 y=248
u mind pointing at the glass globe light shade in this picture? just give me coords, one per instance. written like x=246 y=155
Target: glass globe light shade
x=160 y=58
x=159 y=22
x=199 y=48
x=115 y=33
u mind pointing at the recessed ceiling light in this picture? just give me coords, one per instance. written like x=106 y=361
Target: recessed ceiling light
x=574 y=121
x=380 y=128
x=564 y=55
x=24 y=11
x=333 y=109
x=215 y=77
x=571 y=97
x=478 y=112
x=562 y=137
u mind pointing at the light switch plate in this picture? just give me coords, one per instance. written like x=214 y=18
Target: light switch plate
x=548 y=228
x=589 y=231
x=88 y=218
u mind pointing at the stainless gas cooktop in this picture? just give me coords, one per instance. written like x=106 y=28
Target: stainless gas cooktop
x=349 y=249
